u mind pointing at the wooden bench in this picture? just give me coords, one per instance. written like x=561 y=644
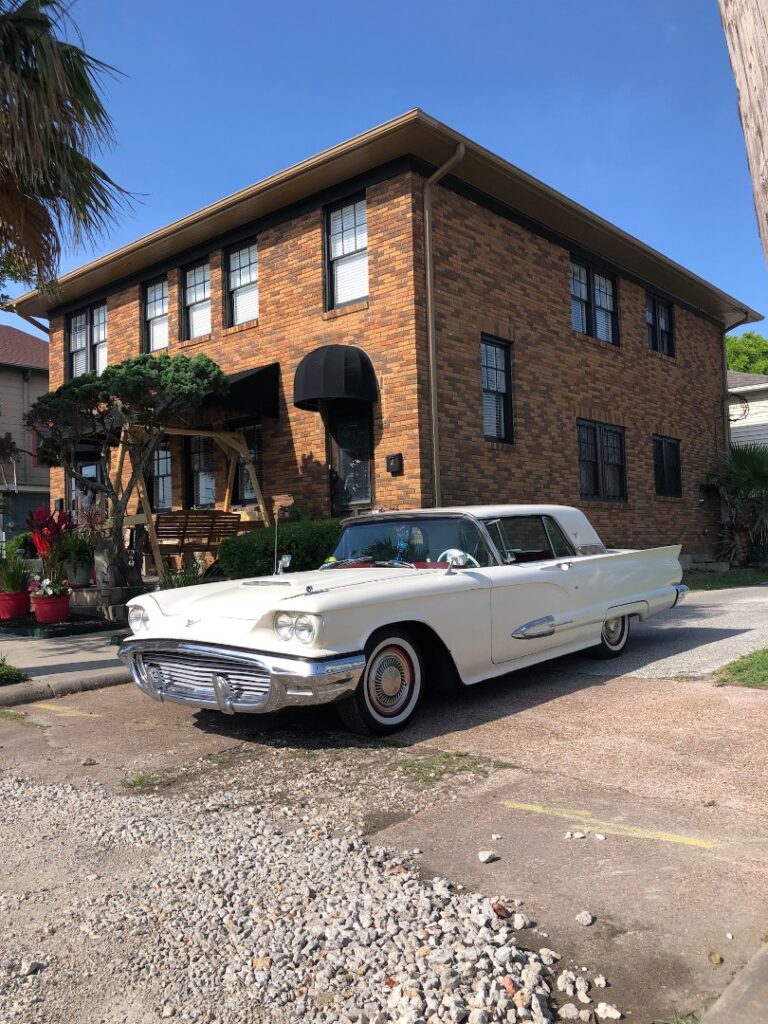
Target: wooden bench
x=194 y=530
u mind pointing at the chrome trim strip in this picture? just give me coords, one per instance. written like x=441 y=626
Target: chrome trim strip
x=536 y=628
x=292 y=681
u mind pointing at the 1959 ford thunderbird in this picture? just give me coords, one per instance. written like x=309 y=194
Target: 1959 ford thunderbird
x=405 y=600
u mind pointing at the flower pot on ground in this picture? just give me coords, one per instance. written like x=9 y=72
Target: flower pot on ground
x=14 y=588
x=50 y=609
x=50 y=600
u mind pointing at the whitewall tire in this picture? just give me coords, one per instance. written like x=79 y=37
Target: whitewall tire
x=614 y=637
x=391 y=686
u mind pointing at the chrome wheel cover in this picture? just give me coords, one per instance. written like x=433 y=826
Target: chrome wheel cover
x=614 y=631
x=391 y=679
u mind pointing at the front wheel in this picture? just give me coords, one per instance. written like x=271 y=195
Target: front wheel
x=613 y=638
x=390 y=689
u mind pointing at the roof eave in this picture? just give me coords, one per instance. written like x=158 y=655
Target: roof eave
x=413 y=133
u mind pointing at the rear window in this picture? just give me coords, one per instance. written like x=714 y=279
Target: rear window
x=529 y=538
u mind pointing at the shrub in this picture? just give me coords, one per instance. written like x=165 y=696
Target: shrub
x=9 y=673
x=77 y=548
x=253 y=554
x=22 y=546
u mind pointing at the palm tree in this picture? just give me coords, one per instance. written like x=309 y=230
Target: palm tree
x=52 y=120
x=741 y=483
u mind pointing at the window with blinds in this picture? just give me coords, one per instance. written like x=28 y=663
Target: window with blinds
x=161 y=479
x=347 y=248
x=156 y=315
x=243 y=285
x=593 y=303
x=658 y=321
x=666 y=466
x=496 y=382
x=197 y=300
x=602 y=468
x=88 y=340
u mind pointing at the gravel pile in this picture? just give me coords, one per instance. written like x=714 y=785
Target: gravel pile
x=228 y=911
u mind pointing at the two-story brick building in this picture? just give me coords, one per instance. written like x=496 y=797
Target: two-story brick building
x=410 y=320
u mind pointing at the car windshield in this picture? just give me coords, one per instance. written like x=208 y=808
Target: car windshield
x=422 y=542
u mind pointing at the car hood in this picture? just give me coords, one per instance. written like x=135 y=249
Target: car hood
x=251 y=598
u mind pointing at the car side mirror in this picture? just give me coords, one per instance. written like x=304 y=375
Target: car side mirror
x=282 y=565
x=457 y=559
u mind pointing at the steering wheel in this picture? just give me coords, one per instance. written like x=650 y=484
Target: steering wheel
x=472 y=561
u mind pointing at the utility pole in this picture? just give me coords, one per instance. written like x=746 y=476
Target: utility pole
x=745 y=23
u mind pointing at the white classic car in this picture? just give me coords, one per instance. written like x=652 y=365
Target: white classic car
x=406 y=599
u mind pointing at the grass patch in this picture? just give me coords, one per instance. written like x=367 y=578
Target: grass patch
x=144 y=780
x=727 y=580
x=751 y=670
x=14 y=716
x=501 y=765
x=9 y=673
x=434 y=766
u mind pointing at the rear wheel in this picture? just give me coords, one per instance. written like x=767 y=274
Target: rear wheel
x=390 y=689
x=613 y=638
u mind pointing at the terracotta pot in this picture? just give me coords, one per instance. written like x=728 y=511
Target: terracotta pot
x=49 y=610
x=14 y=606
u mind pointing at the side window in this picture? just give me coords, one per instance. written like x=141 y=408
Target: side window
x=529 y=538
x=561 y=547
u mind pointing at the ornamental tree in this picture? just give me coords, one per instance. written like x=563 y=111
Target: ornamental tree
x=145 y=395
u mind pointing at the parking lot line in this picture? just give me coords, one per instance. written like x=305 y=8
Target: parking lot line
x=583 y=819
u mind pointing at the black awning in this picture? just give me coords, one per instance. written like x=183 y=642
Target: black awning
x=334 y=372
x=251 y=393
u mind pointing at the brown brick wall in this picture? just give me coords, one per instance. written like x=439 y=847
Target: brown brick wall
x=292 y=322
x=495 y=277
x=492 y=276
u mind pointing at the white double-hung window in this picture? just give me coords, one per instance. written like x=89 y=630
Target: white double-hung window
x=197 y=300
x=243 y=265
x=156 y=314
x=347 y=247
x=88 y=340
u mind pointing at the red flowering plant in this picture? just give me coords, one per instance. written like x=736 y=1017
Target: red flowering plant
x=48 y=531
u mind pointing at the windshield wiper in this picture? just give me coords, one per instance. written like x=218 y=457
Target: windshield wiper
x=341 y=562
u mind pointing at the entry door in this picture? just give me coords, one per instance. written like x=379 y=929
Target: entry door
x=350 y=444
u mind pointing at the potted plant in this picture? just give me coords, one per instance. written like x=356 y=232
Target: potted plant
x=50 y=595
x=50 y=600
x=76 y=554
x=14 y=588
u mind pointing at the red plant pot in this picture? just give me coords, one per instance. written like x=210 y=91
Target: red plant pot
x=52 y=609
x=14 y=606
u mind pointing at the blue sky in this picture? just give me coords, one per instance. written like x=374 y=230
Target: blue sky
x=629 y=108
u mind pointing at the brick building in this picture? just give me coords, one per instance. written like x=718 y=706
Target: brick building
x=409 y=320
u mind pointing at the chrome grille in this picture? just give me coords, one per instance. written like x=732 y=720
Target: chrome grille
x=192 y=677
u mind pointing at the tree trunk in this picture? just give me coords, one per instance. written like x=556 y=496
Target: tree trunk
x=745 y=23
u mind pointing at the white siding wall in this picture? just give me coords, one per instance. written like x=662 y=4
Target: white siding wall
x=753 y=429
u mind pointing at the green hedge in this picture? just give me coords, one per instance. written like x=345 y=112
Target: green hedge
x=253 y=554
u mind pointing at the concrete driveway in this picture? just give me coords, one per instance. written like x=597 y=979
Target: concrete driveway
x=670 y=770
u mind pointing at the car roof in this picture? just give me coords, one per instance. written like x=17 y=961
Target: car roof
x=478 y=511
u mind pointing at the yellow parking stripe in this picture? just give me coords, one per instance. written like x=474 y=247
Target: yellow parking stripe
x=62 y=711
x=584 y=820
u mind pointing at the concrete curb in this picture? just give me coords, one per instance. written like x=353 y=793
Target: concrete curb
x=746 y=998
x=59 y=686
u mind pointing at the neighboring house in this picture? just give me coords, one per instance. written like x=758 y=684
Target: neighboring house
x=748 y=407
x=23 y=377
x=560 y=359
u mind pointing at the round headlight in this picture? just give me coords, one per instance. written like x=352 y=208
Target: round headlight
x=284 y=625
x=305 y=629
x=138 y=619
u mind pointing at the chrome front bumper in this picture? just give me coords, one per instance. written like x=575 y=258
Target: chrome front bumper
x=231 y=679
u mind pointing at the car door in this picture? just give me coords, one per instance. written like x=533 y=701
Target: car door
x=540 y=600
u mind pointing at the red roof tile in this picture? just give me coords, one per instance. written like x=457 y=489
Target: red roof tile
x=17 y=348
